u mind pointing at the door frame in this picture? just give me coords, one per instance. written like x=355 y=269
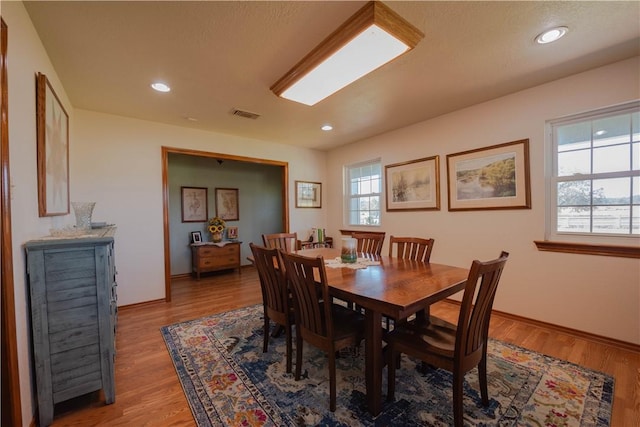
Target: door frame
x=218 y=156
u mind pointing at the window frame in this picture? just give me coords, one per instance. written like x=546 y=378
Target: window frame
x=348 y=196
x=625 y=245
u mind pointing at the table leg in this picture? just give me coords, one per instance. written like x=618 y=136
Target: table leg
x=373 y=360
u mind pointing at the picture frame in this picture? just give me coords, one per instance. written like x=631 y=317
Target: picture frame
x=227 y=204
x=308 y=194
x=494 y=177
x=232 y=233
x=194 y=204
x=52 y=136
x=413 y=185
x=196 y=237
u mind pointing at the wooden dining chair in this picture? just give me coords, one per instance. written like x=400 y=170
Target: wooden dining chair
x=455 y=348
x=276 y=297
x=369 y=243
x=413 y=248
x=327 y=326
x=288 y=242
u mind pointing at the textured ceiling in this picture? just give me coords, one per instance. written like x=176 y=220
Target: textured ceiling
x=218 y=56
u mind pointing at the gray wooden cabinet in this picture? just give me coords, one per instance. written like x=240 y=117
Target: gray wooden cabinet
x=73 y=299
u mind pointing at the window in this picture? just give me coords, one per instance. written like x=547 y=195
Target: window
x=595 y=176
x=363 y=189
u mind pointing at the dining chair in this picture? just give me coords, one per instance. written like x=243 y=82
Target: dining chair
x=276 y=297
x=456 y=348
x=288 y=242
x=319 y=322
x=413 y=248
x=369 y=243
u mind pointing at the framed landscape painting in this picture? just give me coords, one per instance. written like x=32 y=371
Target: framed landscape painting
x=308 y=194
x=413 y=185
x=495 y=177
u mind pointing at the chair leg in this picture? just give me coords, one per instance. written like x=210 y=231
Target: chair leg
x=265 y=343
x=332 y=381
x=482 y=378
x=289 y=348
x=298 y=356
x=458 y=392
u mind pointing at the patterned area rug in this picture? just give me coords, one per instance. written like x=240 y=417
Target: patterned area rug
x=228 y=381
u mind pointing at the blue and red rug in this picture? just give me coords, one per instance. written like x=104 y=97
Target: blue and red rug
x=228 y=381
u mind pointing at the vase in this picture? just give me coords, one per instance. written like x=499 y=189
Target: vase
x=83 y=212
x=216 y=237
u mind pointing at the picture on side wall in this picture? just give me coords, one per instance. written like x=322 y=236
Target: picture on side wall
x=413 y=185
x=227 y=204
x=308 y=194
x=495 y=177
x=52 y=135
x=194 y=204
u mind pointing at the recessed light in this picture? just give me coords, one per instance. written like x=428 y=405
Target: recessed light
x=551 y=35
x=327 y=128
x=160 y=87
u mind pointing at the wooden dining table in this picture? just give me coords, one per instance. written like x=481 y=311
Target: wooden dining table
x=396 y=288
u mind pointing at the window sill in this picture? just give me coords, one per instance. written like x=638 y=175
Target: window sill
x=588 y=249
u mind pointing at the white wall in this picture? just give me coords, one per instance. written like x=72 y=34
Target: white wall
x=116 y=162
x=596 y=294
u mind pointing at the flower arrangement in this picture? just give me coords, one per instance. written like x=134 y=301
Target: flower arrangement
x=216 y=225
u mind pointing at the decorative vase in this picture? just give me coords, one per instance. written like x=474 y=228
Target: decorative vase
x=348 y=253
x=83 y=212
x=216 y=237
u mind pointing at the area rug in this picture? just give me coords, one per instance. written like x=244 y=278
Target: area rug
x=229 y=381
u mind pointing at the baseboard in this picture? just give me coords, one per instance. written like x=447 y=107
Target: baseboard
x=586 y=335
x=141 y=304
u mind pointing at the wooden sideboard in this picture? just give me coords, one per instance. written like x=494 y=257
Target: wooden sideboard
x=72 y=289
x=215 y=257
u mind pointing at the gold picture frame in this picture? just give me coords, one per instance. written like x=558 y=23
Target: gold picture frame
x=308 y=194
x=495 y=177
x=413 y=185
x=52 y=134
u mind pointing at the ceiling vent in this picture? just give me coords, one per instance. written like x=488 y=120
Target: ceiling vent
x=245 y=114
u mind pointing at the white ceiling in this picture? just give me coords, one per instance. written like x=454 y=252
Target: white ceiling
x=218 y=56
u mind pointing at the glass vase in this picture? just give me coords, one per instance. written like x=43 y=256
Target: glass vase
x=216 y=237
x=83 y=212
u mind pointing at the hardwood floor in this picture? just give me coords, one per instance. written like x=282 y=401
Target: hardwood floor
x=148 y=392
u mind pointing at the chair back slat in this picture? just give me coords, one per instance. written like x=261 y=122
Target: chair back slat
x=272 y=281
x=369 y=243
x=413 y=248
x=310 y=292
x=288 y=242
x=475 y=310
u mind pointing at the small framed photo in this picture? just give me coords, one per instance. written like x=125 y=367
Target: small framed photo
x=196 y=237
x=232 y=233
x=413 y=185
x=495 y=177
x=194 y=204
x=227 y=204
x=308 y=194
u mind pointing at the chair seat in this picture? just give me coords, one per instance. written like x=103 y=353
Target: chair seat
x=346 y=322
x=437 y=336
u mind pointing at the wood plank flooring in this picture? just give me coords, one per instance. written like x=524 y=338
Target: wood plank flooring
x=148 y=392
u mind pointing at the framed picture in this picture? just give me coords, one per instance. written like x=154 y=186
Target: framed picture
x=194 y=204
x=413 y=185
x=227 y=204
x=232 y=233
x=495 y=177
x=308 y=194
x=196 y=237
x=52 y=132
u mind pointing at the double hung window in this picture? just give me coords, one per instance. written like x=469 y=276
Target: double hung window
x=363 y=190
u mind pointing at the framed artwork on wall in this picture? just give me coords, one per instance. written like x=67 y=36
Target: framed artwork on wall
x=227 y=204
x=495 y=177
x=413 y=185
x=194 y=204
x=52 y=134
x=308 y=194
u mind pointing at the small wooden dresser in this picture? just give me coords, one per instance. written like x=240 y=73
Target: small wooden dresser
x=214 y=257
x=72 y=288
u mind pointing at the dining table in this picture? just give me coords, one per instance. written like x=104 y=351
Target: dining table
x=386 y=286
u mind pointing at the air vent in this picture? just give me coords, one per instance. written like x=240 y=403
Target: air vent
x=245 y=114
